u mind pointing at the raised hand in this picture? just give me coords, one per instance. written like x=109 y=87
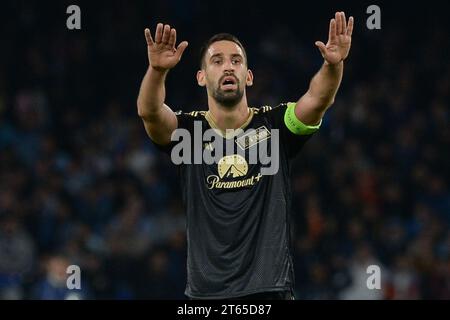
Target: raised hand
x=162 y=54
x=339 y=39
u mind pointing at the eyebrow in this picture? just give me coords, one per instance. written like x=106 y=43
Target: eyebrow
x=221 y=55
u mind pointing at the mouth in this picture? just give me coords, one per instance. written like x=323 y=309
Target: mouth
x=229 y=83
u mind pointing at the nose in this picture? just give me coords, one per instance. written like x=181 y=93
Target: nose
x=228 y=66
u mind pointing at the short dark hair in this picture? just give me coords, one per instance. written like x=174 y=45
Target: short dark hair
x=219 y=37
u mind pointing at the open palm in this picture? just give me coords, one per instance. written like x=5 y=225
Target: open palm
x=162 y=53
x=339 y=39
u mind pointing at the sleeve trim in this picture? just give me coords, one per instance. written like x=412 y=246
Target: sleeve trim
x=295 y=125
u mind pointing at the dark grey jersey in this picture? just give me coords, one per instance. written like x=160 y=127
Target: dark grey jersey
x=238 y=219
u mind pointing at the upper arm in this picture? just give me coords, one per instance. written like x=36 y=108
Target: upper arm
x=310 y=110
x=160 y=125
x=293 y=133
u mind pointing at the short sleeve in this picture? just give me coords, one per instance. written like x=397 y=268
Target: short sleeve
x=185 y=121
x=293 y=133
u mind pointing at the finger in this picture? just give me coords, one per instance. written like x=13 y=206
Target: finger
x=148 y=37
x=166 y=34
x=180 y=49
x=344 y=23
x=332 y=32
x=158 y=33
x=172 y=38
x=350 y=27
x=321 y=46
x=337 y=17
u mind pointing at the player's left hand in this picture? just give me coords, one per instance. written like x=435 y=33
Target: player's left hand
x=339 y=39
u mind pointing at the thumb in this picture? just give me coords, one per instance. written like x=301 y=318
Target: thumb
x=180 y=49
x=322 y=47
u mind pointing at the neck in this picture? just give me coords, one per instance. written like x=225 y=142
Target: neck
x=229 y=117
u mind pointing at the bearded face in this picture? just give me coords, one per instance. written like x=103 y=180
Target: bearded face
x=225 y=73
x=228 y=90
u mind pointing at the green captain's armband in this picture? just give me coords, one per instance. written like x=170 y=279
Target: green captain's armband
x=296 y=126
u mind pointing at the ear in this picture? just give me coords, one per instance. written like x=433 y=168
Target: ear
x=249 y=79
x=201 y=78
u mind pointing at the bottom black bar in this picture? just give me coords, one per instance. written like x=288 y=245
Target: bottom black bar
x=185 y=309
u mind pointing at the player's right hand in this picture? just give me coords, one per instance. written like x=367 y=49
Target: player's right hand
x=162 y=54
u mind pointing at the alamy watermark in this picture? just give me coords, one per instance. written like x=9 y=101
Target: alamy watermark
x=74 y=279
x=74 y=20
x=374 y=20
x=374 y=280
x=230 y=151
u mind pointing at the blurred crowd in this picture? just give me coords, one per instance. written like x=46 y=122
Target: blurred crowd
x=81 y=184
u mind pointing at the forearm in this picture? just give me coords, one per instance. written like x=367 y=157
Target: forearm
x=159 y=120
x=325 y=84
x=320 y=96
x=152 y=93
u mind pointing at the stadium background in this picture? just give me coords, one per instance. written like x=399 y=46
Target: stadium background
x=80 y=183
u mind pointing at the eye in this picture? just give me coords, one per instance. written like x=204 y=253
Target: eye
x=236 y=60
